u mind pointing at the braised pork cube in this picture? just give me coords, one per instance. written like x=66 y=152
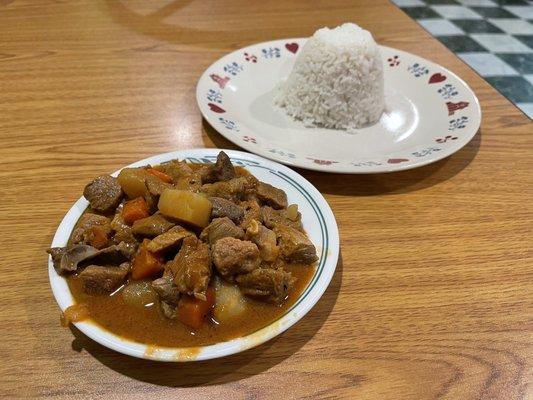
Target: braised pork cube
x=122 y=230
x=271 y=196
x=170 y=239
x=151 y=226
x=66 y=259
x=156 y=186
x=234 y=190
x=167 y=291
x=220 y=228
x=98 y=279
x=252 y=211
x=169 y=310
x=56 y=253
x=113 y=255
x=103 y=193
x=265 y=239
x=191 y=268
x=271 y=218
x=222 y=170
x=225 y=208
x=233 y=256
x=266 y=284
x=92 y=229
x=295 y=245
x=176 y=169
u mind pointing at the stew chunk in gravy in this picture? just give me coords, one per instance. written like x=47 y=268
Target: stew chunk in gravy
x=183 y=254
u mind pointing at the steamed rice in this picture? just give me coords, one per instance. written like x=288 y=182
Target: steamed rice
x=336 y=81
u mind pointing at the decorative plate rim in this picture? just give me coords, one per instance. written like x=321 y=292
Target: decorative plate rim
x=474 y=111
x=326 y=266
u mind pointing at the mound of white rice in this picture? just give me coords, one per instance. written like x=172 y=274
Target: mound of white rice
x=336 y=81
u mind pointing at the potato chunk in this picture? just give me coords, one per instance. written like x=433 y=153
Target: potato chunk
x=185 y=206
x=230 y=303
x=133 y=182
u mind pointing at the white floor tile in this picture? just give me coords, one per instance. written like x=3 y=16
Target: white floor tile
x=527 y=108
x=513 y=26
x=440 y=27
x=500 y=43
x=487 y=64
x=525 y=12
x=478 y=3
x=456 y=12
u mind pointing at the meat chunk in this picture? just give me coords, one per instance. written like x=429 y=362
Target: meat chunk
x=168 y=240
x=233 y=256
x=265 y=239
x=192 y=182
x=92 y=229
x=167 y=291
x=176 y=169
x=122 y=230
x=220 y=228
x=271 y=196
x=56 y=253
x=67 y=259
x=225 y=208
x=101 y=280
x=169 y=310
x=156 y=186
x=252 y=211
x=266 y=284
x=103 y=193
x=151 y=226
x=294 y=245
x=191 y=268
x=271 y=218
x=234 y=190
x=222 y=170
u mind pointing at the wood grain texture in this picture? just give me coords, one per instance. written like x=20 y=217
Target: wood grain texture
x=432 y=298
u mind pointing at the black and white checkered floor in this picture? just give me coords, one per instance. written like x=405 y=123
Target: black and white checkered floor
x=495 y=37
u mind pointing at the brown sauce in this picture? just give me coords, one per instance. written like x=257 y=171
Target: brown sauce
x=148 y=325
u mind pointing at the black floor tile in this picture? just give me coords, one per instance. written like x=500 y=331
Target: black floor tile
x=461 y=44
x=420 y=12
x=511 y=2
x=522 y=62
x=493 y=12
x=476 y=26
x=526 y=39
x=515 y=88
x=440 y=2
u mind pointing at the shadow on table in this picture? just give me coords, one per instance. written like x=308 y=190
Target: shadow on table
x=375 y=184
x=227 y=369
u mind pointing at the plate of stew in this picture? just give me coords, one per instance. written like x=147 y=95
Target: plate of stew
x=193 y=255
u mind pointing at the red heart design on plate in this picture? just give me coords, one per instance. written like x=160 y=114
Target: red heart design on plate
x=292 y=47
x=216 y=108
x=397 y=160
x=436 y=78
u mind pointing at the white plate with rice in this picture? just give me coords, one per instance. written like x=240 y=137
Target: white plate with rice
x=428 y=112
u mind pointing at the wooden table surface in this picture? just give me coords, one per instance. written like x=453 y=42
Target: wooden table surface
x=432 y=297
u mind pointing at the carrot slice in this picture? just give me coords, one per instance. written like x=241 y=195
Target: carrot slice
x=135 y=209
x=146 y=264
x=161 y=175
x=192 y=311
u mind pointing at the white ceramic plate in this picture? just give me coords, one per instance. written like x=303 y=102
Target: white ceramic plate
x=430 y=113
x=318 y=221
